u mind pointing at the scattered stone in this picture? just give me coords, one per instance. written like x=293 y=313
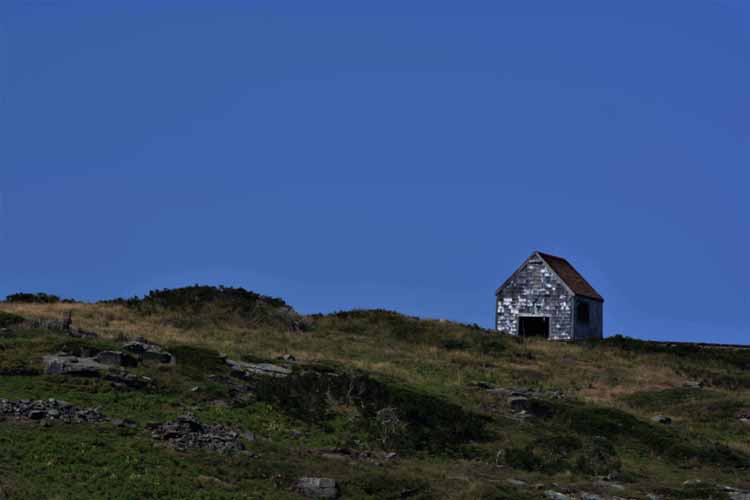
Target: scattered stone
x=65 y=364
x=37 y=414
x=481 y=385
x=127 y=423
x=287 y=357
x=555 y=495
x=661 y=419
x=317 y=487
x=610 y=484
x=736 y=493
x=693 y=384
x=519 y=403
x=186 y=432
x=124 y=379
x=516 y=482
x=195 y=389
x=50 y=409
x=115 y=358
x=589 y=496
x=148 y=352
x=246 y=370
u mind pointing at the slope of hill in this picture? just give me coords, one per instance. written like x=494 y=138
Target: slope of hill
x=220 y=393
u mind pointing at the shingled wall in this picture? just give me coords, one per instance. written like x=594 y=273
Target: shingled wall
x=534 y=290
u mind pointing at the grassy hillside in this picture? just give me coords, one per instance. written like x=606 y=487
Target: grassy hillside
x=389 y=406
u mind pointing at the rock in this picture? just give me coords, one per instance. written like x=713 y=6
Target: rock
x=158 y=357
x=64 y=364
x=115 y=358
x=519 y=403
x=589 y=496
x=661 y=419
x=609 y=484
x=125 y=379
x=287 y=357
x=317 y=487
x=51 y=409
x=119 y=422
x=244 y=369
x=148 y=352
x=555 y=495
x=516 y=482
x=186 y=432
x=693 y=384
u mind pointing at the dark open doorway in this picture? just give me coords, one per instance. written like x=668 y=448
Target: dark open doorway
x=533 y=326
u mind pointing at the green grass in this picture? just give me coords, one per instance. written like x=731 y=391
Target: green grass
x=373 y=382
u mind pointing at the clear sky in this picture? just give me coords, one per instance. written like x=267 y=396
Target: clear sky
x=394 y=154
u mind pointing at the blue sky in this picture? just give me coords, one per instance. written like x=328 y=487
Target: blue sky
x=404 y=155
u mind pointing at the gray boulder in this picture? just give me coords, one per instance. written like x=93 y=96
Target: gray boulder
x=55 y=364
x=148 y=352
x=661 y=419
x=519 y=403
x=556 y=495
x=244 y=369
x=317 y=487
x=115 y=358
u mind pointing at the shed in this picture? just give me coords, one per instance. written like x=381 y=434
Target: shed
x=547 y=297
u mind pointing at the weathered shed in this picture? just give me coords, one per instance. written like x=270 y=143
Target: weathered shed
x=547 y=297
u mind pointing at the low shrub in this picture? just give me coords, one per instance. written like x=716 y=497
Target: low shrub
x=9 y=319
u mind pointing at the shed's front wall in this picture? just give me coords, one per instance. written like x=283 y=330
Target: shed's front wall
x=534 y=290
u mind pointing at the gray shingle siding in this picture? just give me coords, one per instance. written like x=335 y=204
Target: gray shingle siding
x=536 y=290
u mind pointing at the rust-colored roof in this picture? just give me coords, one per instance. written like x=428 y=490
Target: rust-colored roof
x=570 y=276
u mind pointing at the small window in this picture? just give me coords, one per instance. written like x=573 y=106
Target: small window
x=582 y=312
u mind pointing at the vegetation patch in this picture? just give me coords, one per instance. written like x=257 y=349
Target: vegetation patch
x=36 y=298
x=9 y=319
x=553 y=454
x=200 y=306
x=669 y=398
x=393 y=416
x=442 y=334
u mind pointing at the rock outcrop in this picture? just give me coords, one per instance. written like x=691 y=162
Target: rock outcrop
x=49 y=409
x=187 y=432
x=317 y=487
x=244 y=369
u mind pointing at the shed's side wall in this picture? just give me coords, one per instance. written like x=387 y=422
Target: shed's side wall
x=535 y=290
x=595 y=327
